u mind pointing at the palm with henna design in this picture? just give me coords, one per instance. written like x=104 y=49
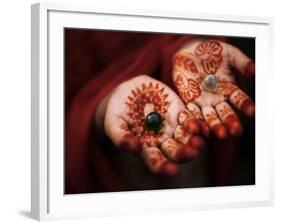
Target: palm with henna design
x=125 y=124
x=192 y=66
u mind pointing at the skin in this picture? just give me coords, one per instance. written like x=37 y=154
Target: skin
x=124 y=112
x=200 y=58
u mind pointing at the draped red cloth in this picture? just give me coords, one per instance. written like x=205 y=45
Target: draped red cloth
x=95 y=63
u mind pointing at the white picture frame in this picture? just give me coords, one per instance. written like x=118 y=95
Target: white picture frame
x=48 y=200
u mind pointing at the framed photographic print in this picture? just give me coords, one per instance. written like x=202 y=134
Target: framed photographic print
x=138 y=111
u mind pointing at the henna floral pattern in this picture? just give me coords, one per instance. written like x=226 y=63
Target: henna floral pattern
x=209 y=56
x=185 y=62
x=124 y=127
x=184 y=115
x=225 y=110
x=196 y=113
x=210 y=53
x=211 y=118
x=151 y=138
x=203 y=64
x=226 y=89
x=180 y=134
x=146 y=94
x=156 y=158
x=239 y=97
x=188 y=89
x=170 y=146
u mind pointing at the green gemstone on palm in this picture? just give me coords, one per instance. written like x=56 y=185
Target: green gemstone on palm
x=154 y=121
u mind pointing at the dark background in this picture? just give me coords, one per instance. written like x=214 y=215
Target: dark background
x=244 y=172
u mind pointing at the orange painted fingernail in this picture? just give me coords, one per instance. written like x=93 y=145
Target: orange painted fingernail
x=192 y=126
x=220 y=131
x=204 y=128
x=248 y=107
x=189 y=152
x=197 y=142
x=250 y=70
x=234 y=125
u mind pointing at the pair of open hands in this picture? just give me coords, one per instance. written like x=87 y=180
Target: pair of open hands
x=194 y=111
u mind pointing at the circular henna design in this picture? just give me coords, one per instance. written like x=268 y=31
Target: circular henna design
x=210 y=53
x=147 y=94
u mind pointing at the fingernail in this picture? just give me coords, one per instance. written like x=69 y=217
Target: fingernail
x=234 y=126
x=196 y=142
x=192 y=126
x=220 y=131
x=204 y=128
x=250 y=70
x=130 y=143
x=248 y=108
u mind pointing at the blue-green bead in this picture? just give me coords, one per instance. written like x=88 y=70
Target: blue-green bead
x=154 y=122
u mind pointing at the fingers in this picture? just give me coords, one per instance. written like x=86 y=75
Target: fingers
x=250 y=70
x=157 y=162
x=214 y=122
x=189 y=122
x=176 y=151
x=241 y=62
x=196 y=112
x=184 y=137
x=184 y=148
x=229 y=118
x=243 y=102
x=117 y=130
x=129 y=142
x=181 y=135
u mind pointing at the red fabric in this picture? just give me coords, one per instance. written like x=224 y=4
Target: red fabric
x=95 y=63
